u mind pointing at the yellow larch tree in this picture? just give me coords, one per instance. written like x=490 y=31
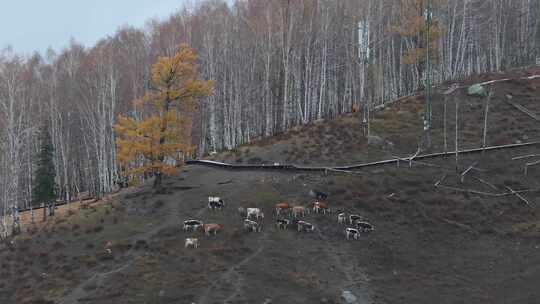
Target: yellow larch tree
x=155 y=141
x=413 y=28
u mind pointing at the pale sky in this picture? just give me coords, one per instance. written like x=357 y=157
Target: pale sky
x=34 y=25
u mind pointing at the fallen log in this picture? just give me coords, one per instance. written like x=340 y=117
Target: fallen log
x=513 y=192
x=525 y=156
x=519 y=196
x=351 y=167
x=524 y=110
x=467 y=171
x=486 y=183
x=460 y=225
x=468 y=190
x=527 y=165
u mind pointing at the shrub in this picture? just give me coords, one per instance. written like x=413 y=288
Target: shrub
x=43 y=254
x=255 y=160
x=90 y=286
x=88 y=260
x=141 y=244
x=104 y=256
x=122 y=245
x=58 y=245
x=158 y=204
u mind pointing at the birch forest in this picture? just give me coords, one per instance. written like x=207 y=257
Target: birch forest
x=276 y=64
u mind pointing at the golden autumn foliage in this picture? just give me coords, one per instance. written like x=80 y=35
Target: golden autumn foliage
x=413 y=26
x=155 y=141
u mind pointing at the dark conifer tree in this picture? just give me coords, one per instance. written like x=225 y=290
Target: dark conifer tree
x=44 y=191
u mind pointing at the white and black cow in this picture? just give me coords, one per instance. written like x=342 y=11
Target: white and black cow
x=341 y=218
x=254 y=212
x=192 y=225
x=282 y=223
x=305 y=226
x=364 y=226
x=352 y=232
x=253 y=226
x=215 y=203
x=191 y=242
x=354 y=218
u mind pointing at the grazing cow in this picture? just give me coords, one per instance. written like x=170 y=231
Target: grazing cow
x=215 y=203
x=341 y=218
x=318 y=194
x=108 y=247
x=192 y=225
x=305 y=226
x=354 y=217
x=320 y=206
x=352 y=232
x=254 y=212
x=242 y=211
x=191 y=242
x=364 y=226
x=299 y=210
x=281 y=207
x=208 y=228
x=250 y=225
x=282 y=223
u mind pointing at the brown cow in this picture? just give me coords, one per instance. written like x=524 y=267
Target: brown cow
x=318 y=206
x=299 y=210
x=282 y=206
x=208 y=228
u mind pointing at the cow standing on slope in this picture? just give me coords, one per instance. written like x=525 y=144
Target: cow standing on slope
x=299 y=211
x=253 y=226
x=282 y=223
x=320 y=206
x=209 y=228
x=215 y=203
x=282 y=207
x=191 y=242
x=192 y=225
x=352 y=232
x=256 y=212
x=364 y=226
x=305 y=226
x=341 y=218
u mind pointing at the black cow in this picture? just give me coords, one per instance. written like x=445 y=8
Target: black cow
x=318 y=194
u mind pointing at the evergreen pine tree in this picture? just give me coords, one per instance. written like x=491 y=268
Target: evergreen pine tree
x=44 y=190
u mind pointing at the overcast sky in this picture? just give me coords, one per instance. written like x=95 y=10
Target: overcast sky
x=29 y=25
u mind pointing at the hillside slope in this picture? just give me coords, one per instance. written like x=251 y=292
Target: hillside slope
x=342 y=141
x=430 y=244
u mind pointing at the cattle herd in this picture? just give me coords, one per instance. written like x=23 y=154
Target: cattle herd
x=287 y=216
